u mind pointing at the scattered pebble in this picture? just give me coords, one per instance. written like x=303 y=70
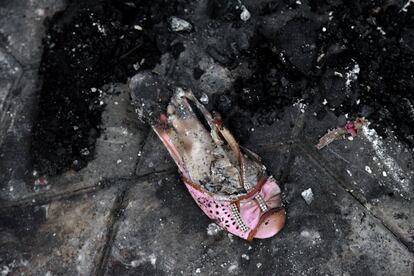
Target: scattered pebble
x=245 y=14
x=384 y=173
x=180 y=25
x=85 y=152
x=204 y=98
x=230 y=236
x=245 y=256
x=325 y=102
x=368 y=169
x=307 y=195
x=119 y=161
x=213 y=229
x=259 y=265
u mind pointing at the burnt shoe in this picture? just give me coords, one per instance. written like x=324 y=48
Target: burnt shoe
x=228 y=182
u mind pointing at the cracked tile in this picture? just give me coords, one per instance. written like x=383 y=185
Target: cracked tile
x=22 y=29
x=10 y=72
x=116 y=154
x=378 y=171
x=61 y=237
x=14 y=150
x=164 y=232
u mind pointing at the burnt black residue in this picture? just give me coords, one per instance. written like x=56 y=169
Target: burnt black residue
x=311 y=52
x=91 y=43
x=358 y=55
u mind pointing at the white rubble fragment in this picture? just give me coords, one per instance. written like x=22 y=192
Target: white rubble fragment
x=381 y=31
x=384 y=174
x=320 y=57
x=245 y=256
x=100 y=28
x=300 y=105
x=259 y=265
x=119 y=161
x=180 y=25
x=406 y=5
x=232 y=268
x=40 y=12
x=143 y=258
x=204 y=98
x=136 y=66
x=138 y=27
x=368 y=169
x=213 y=229
x=153 y=259
x=85 y=151
x=307 y=195
x=352 y=75
x=245 y=14
x=135 y=263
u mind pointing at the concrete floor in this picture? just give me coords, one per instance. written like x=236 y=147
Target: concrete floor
x=128 y=213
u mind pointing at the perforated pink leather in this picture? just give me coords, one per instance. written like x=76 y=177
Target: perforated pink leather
x=250 y=212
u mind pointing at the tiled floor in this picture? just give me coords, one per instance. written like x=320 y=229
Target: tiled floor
x=128 y=213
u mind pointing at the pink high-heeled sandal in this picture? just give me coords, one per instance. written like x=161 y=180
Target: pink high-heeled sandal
x=227 y=182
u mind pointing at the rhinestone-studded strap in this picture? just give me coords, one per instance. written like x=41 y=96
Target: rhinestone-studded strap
x=237 y=217
x=262 y=203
